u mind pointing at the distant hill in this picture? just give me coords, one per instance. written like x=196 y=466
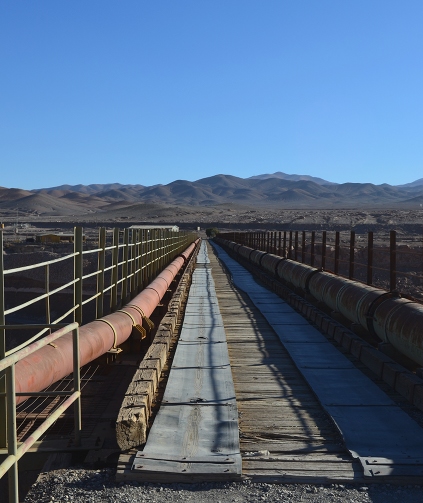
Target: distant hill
x=294 y=178
x=89 y=189
x=416 y=183
x=277 y=191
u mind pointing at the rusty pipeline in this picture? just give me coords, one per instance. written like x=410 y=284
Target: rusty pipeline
x=51 y=363
x=393 y=319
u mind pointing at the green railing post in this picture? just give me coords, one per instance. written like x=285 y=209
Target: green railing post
x=139 y=260
x=77 y=386
x=143 y=259
x=47 y=289
x=133 y=264
x=124 y=290
x=3 y=430
x=101 y=267
x=148 y=256
x=114 y=275
x=155 y=254
x=12 y=443
x=78 y=273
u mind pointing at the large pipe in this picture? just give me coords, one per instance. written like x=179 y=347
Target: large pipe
x=51 y=363
x=393 y=319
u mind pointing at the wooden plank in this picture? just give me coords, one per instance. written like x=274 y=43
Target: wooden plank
x=198 y=417
x=278 y=411
x=297 y=466
x=215 y=458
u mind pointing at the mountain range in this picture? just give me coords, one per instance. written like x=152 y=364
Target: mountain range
x=276 y=191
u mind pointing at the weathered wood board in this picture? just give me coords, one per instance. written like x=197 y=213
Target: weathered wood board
x=195 y=433
x=279 y=415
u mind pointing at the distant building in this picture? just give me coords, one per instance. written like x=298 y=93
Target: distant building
x=173 y=228
x=60 y=237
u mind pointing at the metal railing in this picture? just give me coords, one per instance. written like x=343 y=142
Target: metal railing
x=122 y=267
x=389 y=261
x=116 y=269
x=7 y=373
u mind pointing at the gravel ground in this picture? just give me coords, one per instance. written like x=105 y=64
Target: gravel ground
x=81 y=485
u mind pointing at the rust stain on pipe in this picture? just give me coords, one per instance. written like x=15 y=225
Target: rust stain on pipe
x=49 y=364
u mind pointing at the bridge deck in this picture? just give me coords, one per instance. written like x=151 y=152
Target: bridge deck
x=288 y=431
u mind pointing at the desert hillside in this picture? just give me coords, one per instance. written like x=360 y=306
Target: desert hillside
x=264 y=194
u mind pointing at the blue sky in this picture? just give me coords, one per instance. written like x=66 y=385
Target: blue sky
x=100 y=91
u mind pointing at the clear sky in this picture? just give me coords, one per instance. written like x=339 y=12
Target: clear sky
x=137 y=91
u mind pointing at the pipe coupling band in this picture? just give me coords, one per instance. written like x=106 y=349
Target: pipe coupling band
x=138 y=328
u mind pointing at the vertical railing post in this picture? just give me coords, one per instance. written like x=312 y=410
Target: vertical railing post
x=125 y=263
x=115 y=270
x=133 y=291
x=392 y=261
x=165 y=246
x=3 y=429
x=312 y=245
x=336 y=268
x=157 y=246
x=159 y=250
x=77 y=386
x=370 y=258
x=139 y=260
x=78 y=273
x=149 y=255
x=162 y=250
x=143 y=259
x=101 y=263
x=303 y=247
x=12 y=444
x=47 y=289
x=280 y=244
x=323 y=265
x=352 y=246
x=153 y=253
